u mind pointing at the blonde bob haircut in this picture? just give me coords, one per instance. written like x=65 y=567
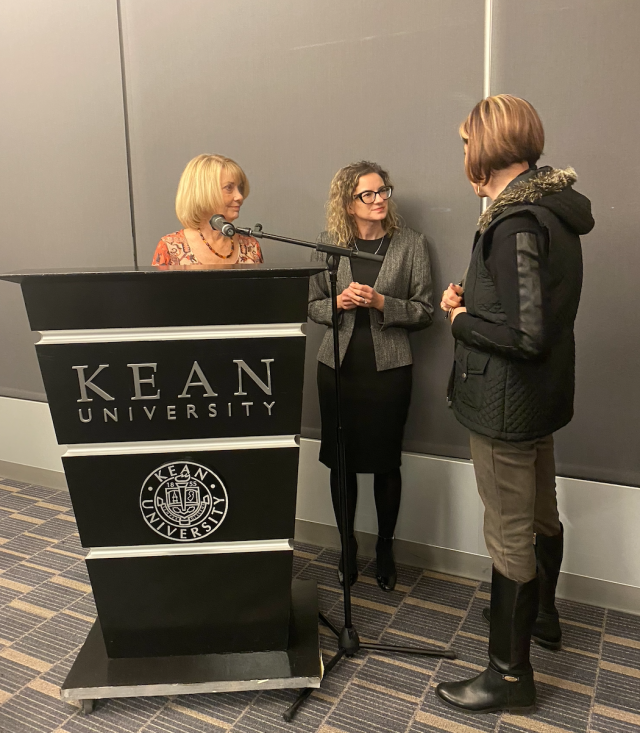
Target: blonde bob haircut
x=341 y=225
x=499 y=132
x=199 y=194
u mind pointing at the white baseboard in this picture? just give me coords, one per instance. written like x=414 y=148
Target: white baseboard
x=592 y=591
x=27 y=436
x=440 y=523
x=33 y=475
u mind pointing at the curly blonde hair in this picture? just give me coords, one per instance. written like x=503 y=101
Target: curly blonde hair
x=341 y=225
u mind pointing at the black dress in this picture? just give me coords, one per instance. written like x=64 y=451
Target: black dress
x=374 y=404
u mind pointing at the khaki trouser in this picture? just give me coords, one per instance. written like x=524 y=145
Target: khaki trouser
x=517 y=485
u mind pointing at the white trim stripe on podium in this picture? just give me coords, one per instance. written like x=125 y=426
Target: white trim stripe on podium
x=171 y=333
x=251 y=442
x=202 y=548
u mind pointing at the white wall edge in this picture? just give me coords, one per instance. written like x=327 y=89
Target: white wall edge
x=441 y=512
x=27 y=436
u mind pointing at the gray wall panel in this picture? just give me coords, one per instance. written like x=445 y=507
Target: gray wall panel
x=294 y=90
x=64 y=188
x=577 y=62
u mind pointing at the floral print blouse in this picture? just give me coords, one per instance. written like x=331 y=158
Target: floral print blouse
x=173 y=249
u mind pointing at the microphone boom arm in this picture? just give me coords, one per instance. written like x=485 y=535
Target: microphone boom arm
x=329 y=249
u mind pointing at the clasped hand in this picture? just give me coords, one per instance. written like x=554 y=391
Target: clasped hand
x=452 y=297
x=452 y=300
x=360 y=295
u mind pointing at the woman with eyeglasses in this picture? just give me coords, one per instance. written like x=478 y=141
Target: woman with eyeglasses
x=379 y=302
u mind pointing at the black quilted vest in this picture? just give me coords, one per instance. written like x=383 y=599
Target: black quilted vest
x=519 y=399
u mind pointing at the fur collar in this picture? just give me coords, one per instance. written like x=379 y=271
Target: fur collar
x=541 y=183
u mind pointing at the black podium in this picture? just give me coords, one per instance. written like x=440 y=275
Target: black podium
x=178 y=393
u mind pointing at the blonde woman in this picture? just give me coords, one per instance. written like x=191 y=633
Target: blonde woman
x=379 y=304
x=210 y=184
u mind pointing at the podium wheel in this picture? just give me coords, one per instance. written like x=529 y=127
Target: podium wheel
x=87 y=706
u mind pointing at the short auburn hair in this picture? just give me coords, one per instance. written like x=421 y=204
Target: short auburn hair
x=499 y=132
x=199 y=194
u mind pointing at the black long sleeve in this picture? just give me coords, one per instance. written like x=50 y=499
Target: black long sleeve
x=518 y=264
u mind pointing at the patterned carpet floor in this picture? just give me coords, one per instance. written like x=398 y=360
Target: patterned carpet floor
x=46 y=610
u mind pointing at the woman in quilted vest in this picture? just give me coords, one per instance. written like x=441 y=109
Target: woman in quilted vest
x=513 y=382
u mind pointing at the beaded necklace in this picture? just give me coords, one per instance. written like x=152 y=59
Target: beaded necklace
x=217 y=254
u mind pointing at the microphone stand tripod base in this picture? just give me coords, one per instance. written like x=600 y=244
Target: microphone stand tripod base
x=349 y=641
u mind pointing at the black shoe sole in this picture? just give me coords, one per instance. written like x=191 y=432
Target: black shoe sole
x=389 y=586
x=525 y=710
x=353 y=578
x=552 y=646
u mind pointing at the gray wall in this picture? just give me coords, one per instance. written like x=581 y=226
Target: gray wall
x=578 y=62
x=294 y=90
x=63 y=184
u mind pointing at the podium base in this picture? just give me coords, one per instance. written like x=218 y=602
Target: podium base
x=95 y=676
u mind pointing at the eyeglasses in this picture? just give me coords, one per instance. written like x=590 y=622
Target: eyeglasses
x=368 y=197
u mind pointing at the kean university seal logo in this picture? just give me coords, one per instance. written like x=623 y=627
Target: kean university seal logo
x=183 y=501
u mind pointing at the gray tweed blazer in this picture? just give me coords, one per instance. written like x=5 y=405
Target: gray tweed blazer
x=405 y=282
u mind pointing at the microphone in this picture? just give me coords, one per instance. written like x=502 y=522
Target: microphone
x=225 y=227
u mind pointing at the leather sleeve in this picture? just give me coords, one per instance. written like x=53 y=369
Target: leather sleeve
x=518 y=267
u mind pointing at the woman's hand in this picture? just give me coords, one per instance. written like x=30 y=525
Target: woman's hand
x=347 y=300
x=367 y=297
x=452 y=297
x=454 y=312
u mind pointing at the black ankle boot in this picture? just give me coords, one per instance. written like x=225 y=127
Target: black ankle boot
x=507 y=684
x=353 y=565
x=546 y=630
x=386 y=574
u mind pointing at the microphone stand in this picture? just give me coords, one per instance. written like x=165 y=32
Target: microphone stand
x=349 y=642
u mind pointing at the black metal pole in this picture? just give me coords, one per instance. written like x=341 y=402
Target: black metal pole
x=348 y=639
x=333 y=264
x=293 y=709
x=328 y=249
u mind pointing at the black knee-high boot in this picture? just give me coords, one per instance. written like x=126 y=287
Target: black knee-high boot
x=546 y=630
x=387 y=488
x=507 y=683
x=351 y=481
x=549 y=551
